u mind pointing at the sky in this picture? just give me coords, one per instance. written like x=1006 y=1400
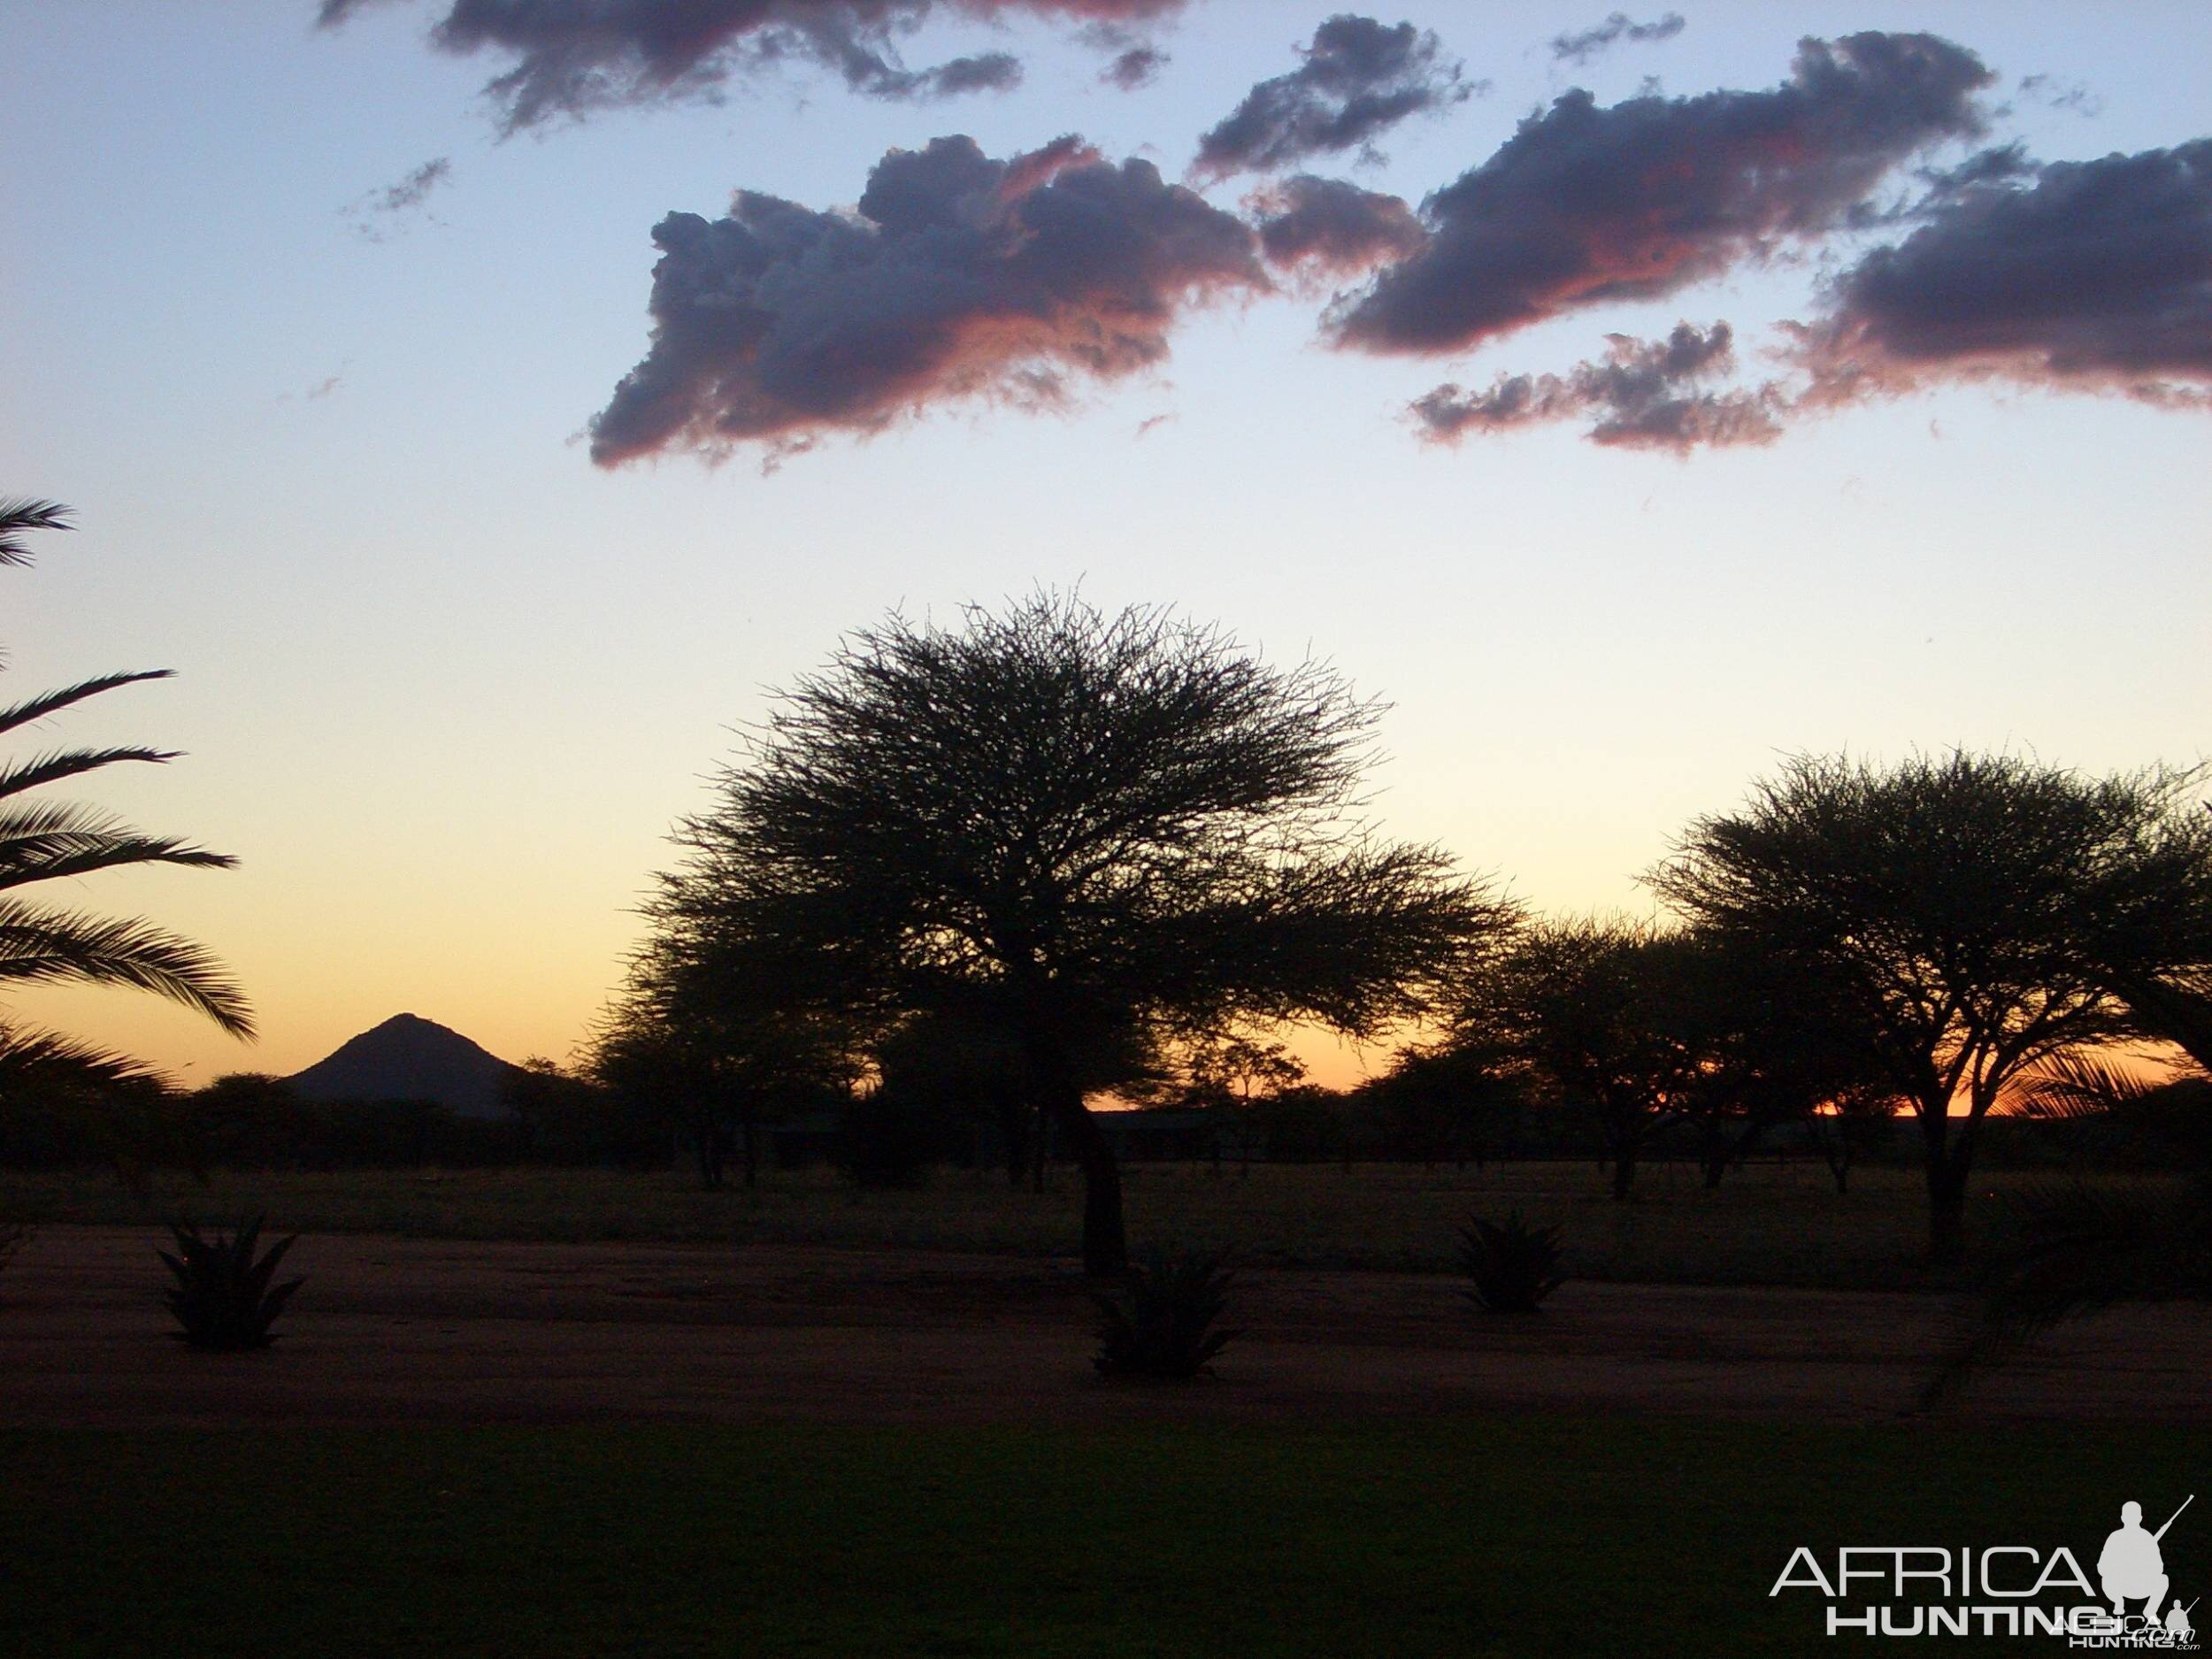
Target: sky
x=1632 y=399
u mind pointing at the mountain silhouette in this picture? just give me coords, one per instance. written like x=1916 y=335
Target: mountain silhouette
x=408 y=1058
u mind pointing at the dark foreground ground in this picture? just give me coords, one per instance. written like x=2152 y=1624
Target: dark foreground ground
x=474 y=1449
x=396 y=1331
x=1493 y=1535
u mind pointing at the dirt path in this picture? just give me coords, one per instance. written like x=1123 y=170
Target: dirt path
x=400 y=1330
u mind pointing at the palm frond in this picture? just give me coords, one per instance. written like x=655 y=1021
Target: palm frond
x=39 y=944
x=2076 y=1087
x=51 y=768
x=2178 y=1014
x=43 y=842
x=49 y=702
x=2085 y=1250
x=18 y=514
x=36 y=1061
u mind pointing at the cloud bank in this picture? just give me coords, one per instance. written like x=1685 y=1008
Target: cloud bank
x=2075 y=276
x=1587 y=205
x=1360 y=78
x=573 y=56
x=957 y=276
x=1644 y=394
x=2070 y=277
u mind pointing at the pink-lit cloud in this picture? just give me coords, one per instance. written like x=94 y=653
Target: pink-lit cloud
x=957 y=277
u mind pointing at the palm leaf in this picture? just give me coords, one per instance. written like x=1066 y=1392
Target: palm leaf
x=2085 y=1250
x=65 y=840
x=2078 y=1085
x=37 y=1060
x=50 y=701
x=18 y=514
x=51 y=768
x=2178 y=1014
x=45 y=945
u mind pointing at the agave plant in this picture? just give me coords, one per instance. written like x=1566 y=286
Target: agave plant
x=1162 y=1324
x=1513 y=1265
x=223 y=1297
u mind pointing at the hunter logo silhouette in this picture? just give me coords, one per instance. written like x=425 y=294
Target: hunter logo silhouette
x=2131 y=1565
x=2003 y=1589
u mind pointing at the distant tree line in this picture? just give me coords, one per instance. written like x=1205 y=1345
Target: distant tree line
x=971 y=883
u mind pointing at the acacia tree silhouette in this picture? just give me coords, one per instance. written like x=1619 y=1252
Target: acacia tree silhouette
x=1098 y=827
x=705 y=1033
x=1968 y=910
x=1610 y=1014
x=49 y=841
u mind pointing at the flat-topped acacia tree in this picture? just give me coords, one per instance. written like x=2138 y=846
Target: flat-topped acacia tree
x=1978 y=913
x=1090 y=825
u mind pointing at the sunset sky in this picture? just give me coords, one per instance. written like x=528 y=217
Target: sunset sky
x=1865 y=405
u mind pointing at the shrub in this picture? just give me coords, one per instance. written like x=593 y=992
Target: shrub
x=1161 y=1325
x=222 y=1297
x=1513 y=1266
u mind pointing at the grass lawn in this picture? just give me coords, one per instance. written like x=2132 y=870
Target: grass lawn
x=1781 y=1224
x=1507 y=1536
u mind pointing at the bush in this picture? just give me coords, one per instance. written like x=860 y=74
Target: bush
x=1161 y=1325
x=1513 y=1266
x=222 y=1297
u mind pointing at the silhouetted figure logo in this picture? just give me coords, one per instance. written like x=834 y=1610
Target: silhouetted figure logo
x=2177 y=1627
x=2131 y=1566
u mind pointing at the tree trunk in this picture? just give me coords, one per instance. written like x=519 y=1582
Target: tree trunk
x=751 y=1130
x=1946 y=1209
x=709 y=1139
x=1624 y=1175
x=1948 y=1155
x=1715 y=1167
x=1011 y=1119
x=1105 y=1245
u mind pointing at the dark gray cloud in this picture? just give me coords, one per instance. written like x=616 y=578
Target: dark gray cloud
x=572 y=57
x=1360 y=78
x=1134 y=58
x=1643 y=394
x=1591 y=42
x=958 y=276
x=2085 y=276
x=1587 y=205
x=1139 y=66
x=380 y=212
x=1330 y=228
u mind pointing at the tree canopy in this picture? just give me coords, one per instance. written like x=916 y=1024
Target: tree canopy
x=1975 y=911
x=1086 y=825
